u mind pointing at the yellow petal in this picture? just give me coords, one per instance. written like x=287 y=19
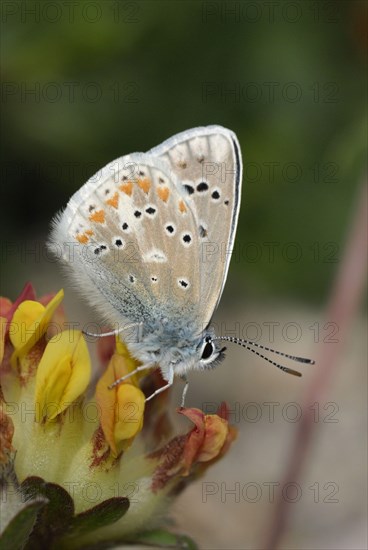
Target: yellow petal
x=63 y=374
x=130 y=362
x=23 y=324
x=128 y=412
x=106 y=400
x=122 y=350
x=51 y=393
x=29 y=324
x=113 y=413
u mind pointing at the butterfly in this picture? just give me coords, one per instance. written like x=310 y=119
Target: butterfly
x=148 y=240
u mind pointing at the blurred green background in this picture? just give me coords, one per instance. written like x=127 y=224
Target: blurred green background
x=84 y=83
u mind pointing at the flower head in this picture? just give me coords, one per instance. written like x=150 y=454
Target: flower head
x=85 y=464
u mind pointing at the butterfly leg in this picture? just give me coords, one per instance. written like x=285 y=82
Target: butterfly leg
x=186 y=386
x=163 y=388
x=113 y=332
x=138 y=369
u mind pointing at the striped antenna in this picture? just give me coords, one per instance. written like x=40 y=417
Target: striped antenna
x=247 y=343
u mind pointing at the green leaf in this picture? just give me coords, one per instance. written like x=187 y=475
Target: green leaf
x=105 y=513
x=55 y=517
x=18 y=530
x=165 y=539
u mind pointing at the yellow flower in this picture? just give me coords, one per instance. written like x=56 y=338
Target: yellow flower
x=121 y=408
x=63 y=374
x=82 y=467
x=29 y=324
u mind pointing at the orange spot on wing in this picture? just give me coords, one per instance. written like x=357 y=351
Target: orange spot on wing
x=114 y=200
x=127 y=188
x=89 y=232
x=98 y=216
x=82 y=238
x=182 y=206
x=163 y=193
x=144 y=184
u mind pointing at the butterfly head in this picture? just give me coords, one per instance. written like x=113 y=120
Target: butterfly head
x=198 y=354
x=180 y=353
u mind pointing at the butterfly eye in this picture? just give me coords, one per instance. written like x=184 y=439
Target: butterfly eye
x=207 y=350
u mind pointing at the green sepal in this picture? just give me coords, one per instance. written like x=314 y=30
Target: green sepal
x=17 y=532
x=107 y=512
x=54 y=518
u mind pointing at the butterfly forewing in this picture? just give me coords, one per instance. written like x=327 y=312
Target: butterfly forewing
x=208 y=165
